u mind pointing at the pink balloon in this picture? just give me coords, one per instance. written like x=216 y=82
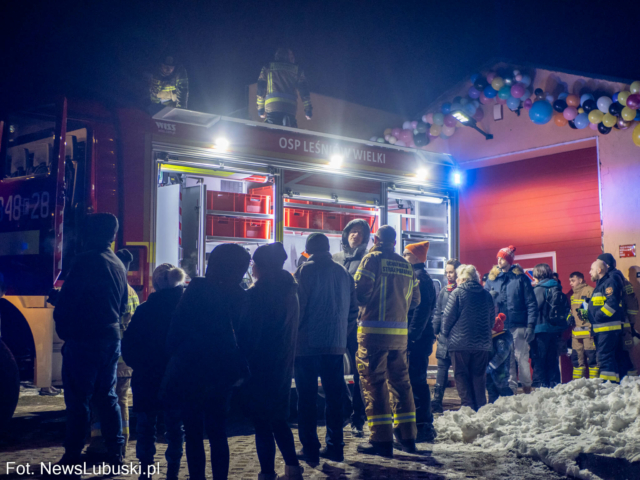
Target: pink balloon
x=411 y=144
x=528 y=103
x=484 y=100
x=633 y=101
x=396 y=132
x=570 y=113
x=593 y=126
x=406 y=136
x=450 y=120
x=479 y=115
x=490 y=77
x=501 y=101
x=428 y=118
x=517 y=90
x=414 y=124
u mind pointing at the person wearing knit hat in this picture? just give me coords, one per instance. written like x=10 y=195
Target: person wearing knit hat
x=513 y=296
x=499 y=361
x=328 y=312
x=421 y=338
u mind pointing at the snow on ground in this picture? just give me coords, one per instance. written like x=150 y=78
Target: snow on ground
x=555 y=425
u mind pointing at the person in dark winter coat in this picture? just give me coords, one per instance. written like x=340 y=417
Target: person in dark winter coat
x=355 y=241
x=328 y=310
x=513 y=295
x=499 y=361
x=444 y=360
x=267 y=334
x=87 y=315
x=420 y=340
x=466 y=324
x=201 y=339
x=144 y=349
x=552 y=304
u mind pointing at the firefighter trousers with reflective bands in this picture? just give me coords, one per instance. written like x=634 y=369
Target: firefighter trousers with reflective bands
x=384 y=380
x=607 y=338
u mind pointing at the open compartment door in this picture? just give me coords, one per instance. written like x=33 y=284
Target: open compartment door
x=193 y=232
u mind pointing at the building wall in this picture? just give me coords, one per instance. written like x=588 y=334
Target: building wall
x=517 y=138
x=337 y=117
x=539 y=205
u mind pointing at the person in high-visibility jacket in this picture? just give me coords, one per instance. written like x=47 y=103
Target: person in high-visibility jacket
x=583 y=350
x=169 y=84
x=279 y=83
x=606 y=315
x=386 y=288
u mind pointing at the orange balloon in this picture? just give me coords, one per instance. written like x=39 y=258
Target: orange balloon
x=573 y=100
x=559 y=119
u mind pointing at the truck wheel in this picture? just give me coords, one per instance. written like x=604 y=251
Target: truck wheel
x=9 y=385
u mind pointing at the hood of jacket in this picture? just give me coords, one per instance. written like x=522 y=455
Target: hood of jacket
x=360 y=250
x=496 y=271
x=548 y=283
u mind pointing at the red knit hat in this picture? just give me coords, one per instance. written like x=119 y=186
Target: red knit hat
x=498 y=326
x=508 y=253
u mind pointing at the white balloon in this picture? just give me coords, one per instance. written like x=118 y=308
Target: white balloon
x=604 y=103
x=392 y=139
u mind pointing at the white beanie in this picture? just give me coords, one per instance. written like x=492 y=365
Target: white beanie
x=167 y=276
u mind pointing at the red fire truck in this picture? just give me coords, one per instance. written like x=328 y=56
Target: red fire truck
x=182 y=182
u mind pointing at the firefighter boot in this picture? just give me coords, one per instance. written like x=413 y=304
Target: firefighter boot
x=594 y=372
x=579 y=372
x=408 y=446
x=382 y=449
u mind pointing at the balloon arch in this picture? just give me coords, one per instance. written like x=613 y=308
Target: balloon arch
x=513 y=89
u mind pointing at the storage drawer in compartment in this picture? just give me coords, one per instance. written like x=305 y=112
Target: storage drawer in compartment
x=222 y=201
x=296 y=218
x=218 y=226
x=256 y=228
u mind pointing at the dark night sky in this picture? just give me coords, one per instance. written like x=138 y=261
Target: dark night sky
x=394 y=55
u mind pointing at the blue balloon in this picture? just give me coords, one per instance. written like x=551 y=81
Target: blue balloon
x=471 y=109
x=637 y=115
x=446 y=108
x=489 y=92
x=513 y=103
x=474 y=77
x=581 y=121
x=585 y=97
x=563 y=96
x=541 y=112
x=615 y=97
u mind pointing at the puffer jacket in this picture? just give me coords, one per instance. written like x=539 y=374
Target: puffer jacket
x=421 y=316
x=328 y=306
x=386 y=288
x=468 y=318
x=350 y=258
x=441 y=304
x=278 y=87
x=512 y=294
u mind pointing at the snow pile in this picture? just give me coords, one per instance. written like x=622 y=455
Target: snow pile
x=555 y=424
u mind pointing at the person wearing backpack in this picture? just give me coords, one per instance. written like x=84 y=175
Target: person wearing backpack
x=553 y=310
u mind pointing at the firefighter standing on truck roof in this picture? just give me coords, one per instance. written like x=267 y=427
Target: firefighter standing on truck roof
x=583 y=350
x=606 y=316
x=278 y=86
x=386 y=288
x=169 y=84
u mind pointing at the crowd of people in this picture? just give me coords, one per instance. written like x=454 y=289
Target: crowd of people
x=187 y=351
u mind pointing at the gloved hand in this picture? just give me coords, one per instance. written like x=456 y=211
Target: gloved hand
x=529 y=335
x=583 y=314
x=262 y=113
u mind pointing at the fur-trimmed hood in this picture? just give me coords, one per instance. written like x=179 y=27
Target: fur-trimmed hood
x=495 y=271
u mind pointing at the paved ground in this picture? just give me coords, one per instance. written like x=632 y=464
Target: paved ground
x=37 y=430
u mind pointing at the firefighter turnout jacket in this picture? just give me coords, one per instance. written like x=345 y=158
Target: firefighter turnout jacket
x=170 y=90
x=606 y=317
x=582 y=346
x=278 y=87
x=386 y=288
x=629 y=305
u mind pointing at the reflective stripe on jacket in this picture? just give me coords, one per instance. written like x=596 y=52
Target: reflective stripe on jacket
x=170 y=90
x=605 y=312
x=386 y=288
x=278 y=87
